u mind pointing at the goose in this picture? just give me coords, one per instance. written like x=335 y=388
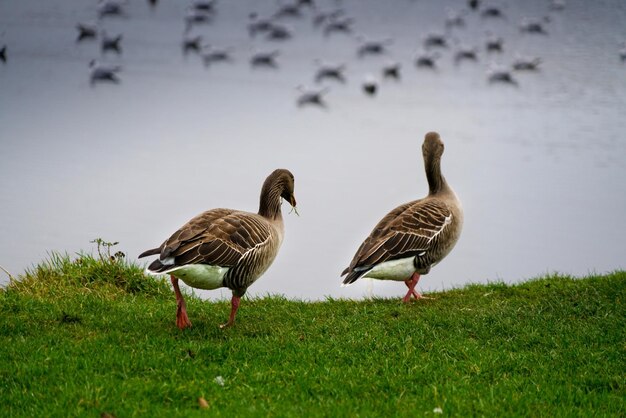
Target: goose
x=311 y=97
x=110 y=8
x=338 y=25
x=111 y=43
x=435 y=40
x=279 y=33
x=392 y=71
x=532 y=25
x=86 y=31
x=427 y=60
x=191 y=43
x=195 y=16
x=473 y=4
x=557 y=5
x=322 y=17
x=258 y=24
x=225 y=247
x=214 y=55
x=415 y=236
x=372 y=47
x=288 y=11
x=526 y=63
x=370 y=86
x=465 y=54
x=330 y=72
x=455 y=19
x=206 y=6
x=494 y=43
x=492 y=12
x=264 y=59
x=101 y=72
x=501 y=75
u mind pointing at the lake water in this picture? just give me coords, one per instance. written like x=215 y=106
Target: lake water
x=541 y=168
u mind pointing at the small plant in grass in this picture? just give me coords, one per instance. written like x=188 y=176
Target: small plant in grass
x=104 y=250
x=61 y=271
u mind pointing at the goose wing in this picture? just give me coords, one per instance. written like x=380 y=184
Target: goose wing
x=409 y=230
x=219 y=237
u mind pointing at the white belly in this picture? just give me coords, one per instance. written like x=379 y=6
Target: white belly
x=398 y=270
x=200 y=276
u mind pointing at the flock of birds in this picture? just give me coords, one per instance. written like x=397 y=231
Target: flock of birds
x=336 y=21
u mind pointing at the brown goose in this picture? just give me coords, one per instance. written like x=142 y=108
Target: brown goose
x=415 y=236
x=225 y=247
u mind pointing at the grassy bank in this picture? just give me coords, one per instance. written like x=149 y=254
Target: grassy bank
x=87 y=337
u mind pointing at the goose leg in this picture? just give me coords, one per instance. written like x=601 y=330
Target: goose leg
x=411 y=283
x=234 y=302
x=182 y=320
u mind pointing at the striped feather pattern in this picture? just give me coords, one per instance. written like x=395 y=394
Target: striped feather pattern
x=244 y=242
x=413 y=229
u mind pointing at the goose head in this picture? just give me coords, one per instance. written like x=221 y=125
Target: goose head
x=432 y=148
x=282 y=181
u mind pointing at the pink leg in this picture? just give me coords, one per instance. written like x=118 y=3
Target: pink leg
x=234 y=302
x=182 y=320
x=411 y=283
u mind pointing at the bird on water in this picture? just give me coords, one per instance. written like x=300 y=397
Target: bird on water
x=415 y=236
x=225 y=247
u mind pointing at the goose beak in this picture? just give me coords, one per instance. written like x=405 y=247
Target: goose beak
x=292 y=202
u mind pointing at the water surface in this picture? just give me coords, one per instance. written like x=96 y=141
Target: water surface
x=540 y=168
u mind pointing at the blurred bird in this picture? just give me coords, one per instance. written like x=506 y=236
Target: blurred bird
x=330 y=72
x=258 y=24
x=195 y=17
x=473 y=4
x=501 y=75
x=86 y=31
x=338 y=25
x=3 y=53
x=427 y=60
x=454 y=19
x=494 y=43
x=322 y=17
x=370 y=85
x=465 y=54
x=369 y=47
x=110 y=8
x=492 y=12
x=264 y=59
x=522 y=63
x=213 y=55
x=532 y=25
x=192 y=43
x=291 y=10
x=279 y=33
x=435 y=40
x=311 y=97
x=392 y=71
x=206 y=6
x=110 y=43
x=106 y=73
x=557 y=5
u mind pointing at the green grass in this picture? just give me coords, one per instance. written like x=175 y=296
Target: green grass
x=83 y=337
